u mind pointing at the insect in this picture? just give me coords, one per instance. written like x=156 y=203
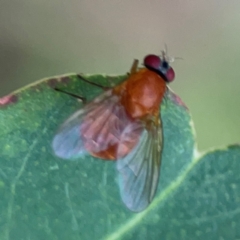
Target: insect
x=124 y=124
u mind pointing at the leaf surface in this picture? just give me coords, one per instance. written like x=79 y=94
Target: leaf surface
x=44 y=197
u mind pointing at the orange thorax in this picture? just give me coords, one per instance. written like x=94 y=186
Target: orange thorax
x=142 y=93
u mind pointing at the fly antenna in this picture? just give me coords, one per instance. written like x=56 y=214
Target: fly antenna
x=169 y=59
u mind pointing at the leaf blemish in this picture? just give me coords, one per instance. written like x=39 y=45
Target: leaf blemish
x=65 y=80
x=55 y=167
x=52 y=82
x=9 y=99
x=55 y=81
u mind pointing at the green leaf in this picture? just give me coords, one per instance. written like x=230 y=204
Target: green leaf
x=43 y=197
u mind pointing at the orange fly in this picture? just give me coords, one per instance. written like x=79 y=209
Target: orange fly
x=124 y=124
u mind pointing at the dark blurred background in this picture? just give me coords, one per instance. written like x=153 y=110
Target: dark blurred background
x=39 y=39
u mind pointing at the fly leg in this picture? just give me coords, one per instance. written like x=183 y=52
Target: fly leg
x=83 y=99
x=134 y=67
x=93 y=83
x=133 y=70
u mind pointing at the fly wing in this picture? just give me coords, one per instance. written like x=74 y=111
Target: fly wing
x=68 y=142
x=94 y=128
x=139 y=170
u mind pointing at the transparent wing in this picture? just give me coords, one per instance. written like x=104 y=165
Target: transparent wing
x=139 y=170
x=94 y=128
x=69 y=141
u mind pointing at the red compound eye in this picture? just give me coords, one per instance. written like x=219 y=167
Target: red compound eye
x=170 y=74
x=152 y=61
